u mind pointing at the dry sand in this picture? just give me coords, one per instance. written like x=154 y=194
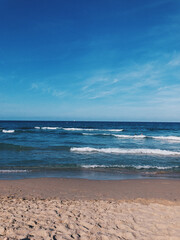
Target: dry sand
x=82 y=209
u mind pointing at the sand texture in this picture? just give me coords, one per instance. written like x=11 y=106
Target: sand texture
x=35 y=209
x=55 y=219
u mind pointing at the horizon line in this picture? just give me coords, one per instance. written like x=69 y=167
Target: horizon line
x=133 y=121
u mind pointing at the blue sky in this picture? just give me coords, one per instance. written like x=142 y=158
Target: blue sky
x=90 y=60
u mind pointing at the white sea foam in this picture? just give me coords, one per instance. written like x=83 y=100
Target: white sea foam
x=13 y=171
x=171 y=138
x=92 y=129
x=49 y=128
x=89 y=134
x=98 y=134
x=77 y=129
x=128 y=166
x=8 y=131
x=114 y=130
x=130 y=136
x=148 y=167
x=124 y=151
x=96 y=166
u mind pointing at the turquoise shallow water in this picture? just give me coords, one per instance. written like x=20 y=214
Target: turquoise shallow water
x=94 y=150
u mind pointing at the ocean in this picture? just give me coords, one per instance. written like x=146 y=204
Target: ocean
x=91 y=150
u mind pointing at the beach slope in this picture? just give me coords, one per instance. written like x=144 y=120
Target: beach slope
x=83 y=209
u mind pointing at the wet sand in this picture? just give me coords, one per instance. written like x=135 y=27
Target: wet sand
x=52 y=208
x=72 y=189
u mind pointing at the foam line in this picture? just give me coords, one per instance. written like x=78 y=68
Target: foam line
x=13 y=171
x=124 y=151
x=129 y=166
x=8 y=131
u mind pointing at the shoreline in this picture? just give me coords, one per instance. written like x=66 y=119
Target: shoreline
x=84 y=189
x=87 y=174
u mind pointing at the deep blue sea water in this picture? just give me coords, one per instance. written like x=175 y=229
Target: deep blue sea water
x=92 y=150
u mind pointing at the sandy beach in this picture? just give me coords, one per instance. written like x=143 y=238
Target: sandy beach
x=83 y=209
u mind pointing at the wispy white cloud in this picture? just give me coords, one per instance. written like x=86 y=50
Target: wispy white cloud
x=103 y=94
x=149 y=80
x=168 y=95
x=47 y=89
x=175 y=61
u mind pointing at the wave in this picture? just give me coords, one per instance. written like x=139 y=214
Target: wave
x=115 y=135
x=169 y=138
x=98 y=134
x=130 y=136
x=8 y=146
x=8 y=131
x=13 y=171
x=59 y=148
x=92 y=129
x=173 y=138
x=124 y=151
x=130 y=166
x=78 y=129
x=49 y=128
x=67 y=129
x=114 y=130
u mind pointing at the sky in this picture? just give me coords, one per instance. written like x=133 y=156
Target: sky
x=111 y=60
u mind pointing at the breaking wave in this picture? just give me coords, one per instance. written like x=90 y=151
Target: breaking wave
x=8 y=131
x=130 y=166
x=114 y=130
x=78 y=129
x=13 y=171
x=98 y=134
x=92 y=129
x=173 y=138
x=123 y=151
x=168 y=138
x=115 y=135
x=130 y=136
x=49 y=128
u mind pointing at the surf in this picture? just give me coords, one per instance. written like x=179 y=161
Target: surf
x=124 y=151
